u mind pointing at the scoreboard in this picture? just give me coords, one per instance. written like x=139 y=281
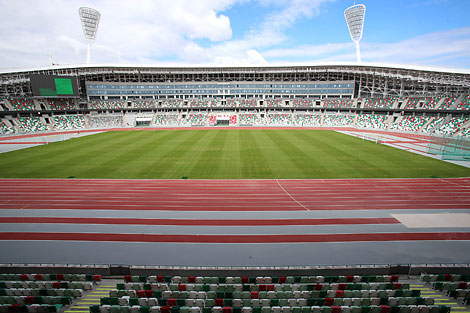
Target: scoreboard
x=54 y=86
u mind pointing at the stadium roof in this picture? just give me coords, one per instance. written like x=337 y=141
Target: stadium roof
x=234 y=66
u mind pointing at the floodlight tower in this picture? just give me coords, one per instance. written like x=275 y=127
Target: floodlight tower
x=355 y=18
x=90 y=19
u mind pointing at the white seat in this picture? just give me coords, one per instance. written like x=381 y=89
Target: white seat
x=155 y=309
x=104 y=309
x=135 y=309
x=142 y=301
x=152 y=302
x=195 y=309
x=247 y=309
x=276 y=309
x=123 y=301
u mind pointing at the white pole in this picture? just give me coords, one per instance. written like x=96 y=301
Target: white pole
x=88 y=53
x=358 y=51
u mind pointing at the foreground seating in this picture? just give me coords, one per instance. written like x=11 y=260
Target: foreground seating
x=372 y=121
x=22 y=104
x=307 y=119
x=31 y=124
x=69 y=121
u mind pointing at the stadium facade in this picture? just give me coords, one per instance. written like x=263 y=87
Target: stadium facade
x=430 y=97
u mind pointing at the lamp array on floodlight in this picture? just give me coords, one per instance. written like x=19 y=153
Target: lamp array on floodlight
x=355 y=18
x=90 y=19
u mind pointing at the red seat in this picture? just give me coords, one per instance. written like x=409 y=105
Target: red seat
x=161 y=279
x=127 y=278
x=29 y=300
x=165 y=309
x=96 y=277
x=349 y=278
x=219 y=302
x=329 y=301
x=182 y=287
x=227 y=309
x=24 y=277
x=38 y=276
x=394 y=278
x=318 y=286
x=335 y=309
x=262 y=287
x=171 y=302
x=60 y=277
x=192 y=279
x=462 y=286
x=254 y=294
x=342 y=286
x=141 y=294
x=384 y=309
x=149 y=293
x=270 y=287
x=339 y=293
x=245 y=280
x=282 y=280
x=56 y=284
x=396 y=286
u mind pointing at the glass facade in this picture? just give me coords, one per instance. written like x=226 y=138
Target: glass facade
x=228 y=89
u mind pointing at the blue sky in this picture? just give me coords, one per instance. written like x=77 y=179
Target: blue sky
x=235 y=32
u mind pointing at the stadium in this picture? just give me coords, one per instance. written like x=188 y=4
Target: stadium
x=315 y=188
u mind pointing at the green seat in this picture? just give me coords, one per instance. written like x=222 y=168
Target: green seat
x=266 y=309
x=174 y=309
x=257 y=310
x=115 y=309
x=184 y=309
x=95 y=309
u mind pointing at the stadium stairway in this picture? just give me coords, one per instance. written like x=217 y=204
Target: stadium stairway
x=92 y=297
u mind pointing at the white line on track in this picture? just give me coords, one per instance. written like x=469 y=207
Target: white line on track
x=277 y=181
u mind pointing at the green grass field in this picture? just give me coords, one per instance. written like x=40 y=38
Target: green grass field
x=220 y=154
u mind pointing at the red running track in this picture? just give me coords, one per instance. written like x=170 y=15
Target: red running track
x=235 y=195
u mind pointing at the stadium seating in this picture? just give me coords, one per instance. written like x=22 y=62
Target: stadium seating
x=278 y=119
x=104 y=121
x=203 y=103
x=430 y=102
x=466 y=132
x=106 y=104
x=22 y=104
x=173 y=103
x=464 y=103
x=331 y=120
x=434 y=122
x=5 y=129
x=61 y=104
x=303 y=103
x=248 y=119
x=378 y=103
x=307 y=119
x=247 y=103
x=447 y=103
x=412 y=103
x=273 y=103
x=452 y=126
x=49 y=277
x=410 y=123
x=31 y=124
x=338 y=103
x=195 y=119
x=69 y=121
x=145 y=104
x=165 y=120
x=372 y=121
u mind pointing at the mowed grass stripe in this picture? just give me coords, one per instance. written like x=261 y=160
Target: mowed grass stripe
x=218 y=153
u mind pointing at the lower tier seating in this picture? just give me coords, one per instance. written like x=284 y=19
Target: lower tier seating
x=31 y=124
x=452 y=126
x=104 y=121
x=5 y=129
x=195 y=119
x=248 y=119
x=69 y=121
x=410 y=123
x=278 y=119
x=307 y=119
x=165 y=120
x=338 y=120
x=372 y=121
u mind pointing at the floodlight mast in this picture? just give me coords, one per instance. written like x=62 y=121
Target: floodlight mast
x=90 y=19
x=355 y=18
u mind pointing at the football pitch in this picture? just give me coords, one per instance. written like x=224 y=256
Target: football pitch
x=221 y=154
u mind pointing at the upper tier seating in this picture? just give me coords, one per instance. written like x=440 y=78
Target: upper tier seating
x=107 y=104
x=273 y=103
x=49 y=277
x=60 y=104
x=203 y=103
x=379 y=103
x=338 y=120
x=447 y=103
x=104 y=121
x=411 y=123
x=430 y=102
x=22 y=104
x=278 y=119
x=303 y=103
x=173 y=103
x=31 y=124
x=372 y=121
x=69 y=121
x=247 y=103
x=464 y=103
x=145 y=104
x=307 y=119
x=412 y=103
x=338 y=103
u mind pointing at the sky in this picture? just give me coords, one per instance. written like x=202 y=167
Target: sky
x=432 y=33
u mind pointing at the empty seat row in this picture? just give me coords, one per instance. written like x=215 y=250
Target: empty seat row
x=275 y=309
x=263 y=287
x=35 y=300
x=150 y=293
x=33 y=308
x=459 y=293
x=45 y=285
x=49 y=277
x=449 y=285
x=41 y=292
x=268 y=302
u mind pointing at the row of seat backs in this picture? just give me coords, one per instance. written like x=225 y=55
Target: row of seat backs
x=45 y=285
x=444 y=277
x=260 y=279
